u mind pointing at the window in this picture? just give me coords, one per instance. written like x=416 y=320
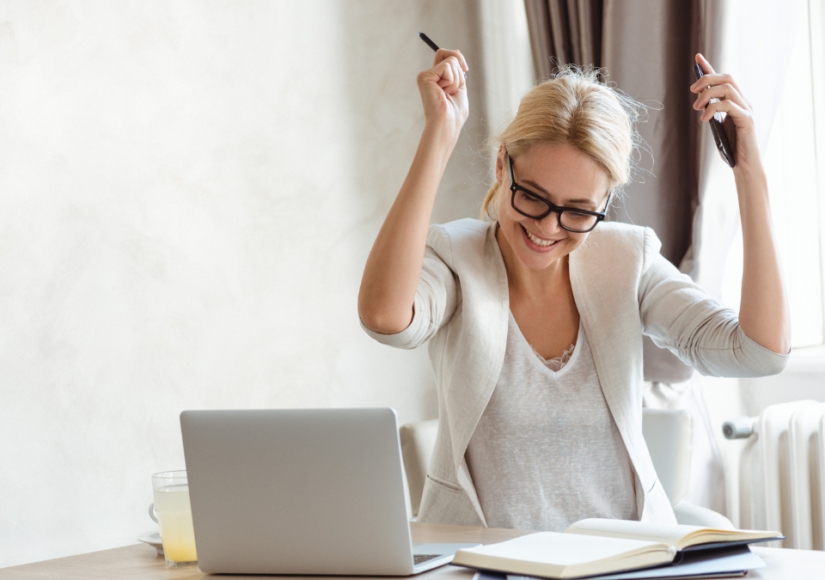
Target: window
x=795 y=164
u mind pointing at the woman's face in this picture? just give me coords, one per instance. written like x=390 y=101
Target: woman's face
x=563 y=175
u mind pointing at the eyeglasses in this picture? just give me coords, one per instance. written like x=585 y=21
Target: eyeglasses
x=537 y=207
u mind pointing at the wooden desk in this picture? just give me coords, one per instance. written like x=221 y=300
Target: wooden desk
x=141 y=562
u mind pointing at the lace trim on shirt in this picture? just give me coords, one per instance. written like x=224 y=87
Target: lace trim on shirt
x=557 y=363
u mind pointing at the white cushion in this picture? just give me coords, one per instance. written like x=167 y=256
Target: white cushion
x=669 y=437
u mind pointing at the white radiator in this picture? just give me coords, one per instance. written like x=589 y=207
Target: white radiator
x=782 y=472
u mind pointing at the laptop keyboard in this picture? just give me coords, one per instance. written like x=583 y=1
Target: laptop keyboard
x=421 y=558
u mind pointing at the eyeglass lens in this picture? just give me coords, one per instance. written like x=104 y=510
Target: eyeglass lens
x=534 y=207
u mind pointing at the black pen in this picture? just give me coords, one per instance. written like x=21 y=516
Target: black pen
x=428 y=41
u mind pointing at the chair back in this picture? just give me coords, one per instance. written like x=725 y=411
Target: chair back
x=417 y=444
x=669 y=437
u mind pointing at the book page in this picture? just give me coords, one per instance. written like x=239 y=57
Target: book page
x=670 y=534
x=553 y=549
x=695 y=565
x=677 y=535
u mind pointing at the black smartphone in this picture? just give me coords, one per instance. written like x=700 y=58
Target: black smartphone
x=719 y=134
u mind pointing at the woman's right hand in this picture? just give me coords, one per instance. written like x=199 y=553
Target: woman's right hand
x=444 y=91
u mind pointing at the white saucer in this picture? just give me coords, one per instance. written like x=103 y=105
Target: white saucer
x=153 y=539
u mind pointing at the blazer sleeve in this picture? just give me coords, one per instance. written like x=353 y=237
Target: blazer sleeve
x=435 y=299
x=679 y=315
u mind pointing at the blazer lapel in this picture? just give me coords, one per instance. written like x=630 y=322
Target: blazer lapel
x=492 y=319
x=605 y=296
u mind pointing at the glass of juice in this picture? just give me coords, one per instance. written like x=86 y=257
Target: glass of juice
x=171 y=491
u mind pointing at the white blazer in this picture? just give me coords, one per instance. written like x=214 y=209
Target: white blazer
x=623 y=289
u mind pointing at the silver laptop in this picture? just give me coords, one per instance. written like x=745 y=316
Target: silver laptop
x=307 y=491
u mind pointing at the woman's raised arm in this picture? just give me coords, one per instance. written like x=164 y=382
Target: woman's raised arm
x=385 y=301
x=763 y=313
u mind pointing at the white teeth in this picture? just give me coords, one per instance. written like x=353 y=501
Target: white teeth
x=538 y=241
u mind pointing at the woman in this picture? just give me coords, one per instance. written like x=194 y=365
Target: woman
x=530 y=435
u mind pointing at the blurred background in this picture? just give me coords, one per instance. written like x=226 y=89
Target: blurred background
x=189 y=191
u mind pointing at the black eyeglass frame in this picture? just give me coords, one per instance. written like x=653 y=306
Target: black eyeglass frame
x=551 y=207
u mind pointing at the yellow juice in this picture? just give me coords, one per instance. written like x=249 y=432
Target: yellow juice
x=175 y=515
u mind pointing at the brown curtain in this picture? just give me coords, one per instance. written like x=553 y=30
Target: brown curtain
x=564 y=31
x=646 y=48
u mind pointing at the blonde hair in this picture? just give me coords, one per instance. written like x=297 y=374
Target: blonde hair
x=575 y=107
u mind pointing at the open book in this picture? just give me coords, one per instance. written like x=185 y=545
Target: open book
x=599 y=546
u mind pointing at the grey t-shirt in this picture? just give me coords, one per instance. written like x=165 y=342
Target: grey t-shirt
x=547 y=452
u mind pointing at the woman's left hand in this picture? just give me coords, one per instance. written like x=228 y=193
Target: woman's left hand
x=738 y=122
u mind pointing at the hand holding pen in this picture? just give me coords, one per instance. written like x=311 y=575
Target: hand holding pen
x=443 y=89
x=386 y=300
x=428 y=41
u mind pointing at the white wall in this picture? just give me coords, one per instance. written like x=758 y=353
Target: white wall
x=188 y=194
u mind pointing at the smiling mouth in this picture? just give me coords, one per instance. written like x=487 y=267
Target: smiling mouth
x=539 y=241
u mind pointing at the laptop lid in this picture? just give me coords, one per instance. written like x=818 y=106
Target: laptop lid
x=306 y=491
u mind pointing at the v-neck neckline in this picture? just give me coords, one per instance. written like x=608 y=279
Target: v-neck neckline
x=539 y=360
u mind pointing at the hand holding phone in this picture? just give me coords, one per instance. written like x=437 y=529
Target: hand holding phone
x=716 y=127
